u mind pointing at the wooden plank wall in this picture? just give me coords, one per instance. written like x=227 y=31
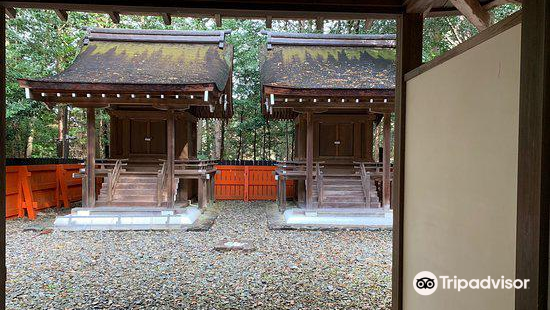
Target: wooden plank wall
x=248 y=183
x=45 y=182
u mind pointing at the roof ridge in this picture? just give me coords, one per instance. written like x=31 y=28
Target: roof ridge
x=156 y=36
x=321 y=39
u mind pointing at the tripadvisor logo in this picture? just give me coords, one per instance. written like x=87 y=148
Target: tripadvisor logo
x=426 y=283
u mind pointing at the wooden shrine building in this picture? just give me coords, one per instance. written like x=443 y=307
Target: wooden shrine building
x=155 y=85
x=335 y=88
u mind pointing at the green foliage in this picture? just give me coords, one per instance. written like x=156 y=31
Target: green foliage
x=39 y=44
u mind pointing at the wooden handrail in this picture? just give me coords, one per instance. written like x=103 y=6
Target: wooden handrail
x=113 y=178
x=319 y=180
x=365 y=182
x=161 y=180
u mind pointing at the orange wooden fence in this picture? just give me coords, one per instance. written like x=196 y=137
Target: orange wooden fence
x=36 y=187
x=248 y=183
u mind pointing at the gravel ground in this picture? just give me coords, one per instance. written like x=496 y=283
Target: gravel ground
x=180 y=270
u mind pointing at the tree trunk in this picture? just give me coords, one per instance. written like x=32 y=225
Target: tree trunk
x=240 y=150
x=222 y=143
x=200 y=124
x=287 y=140
x=268 y=141
x=30 y=139
x=65 y=131
x=218 y=139
x=60 y=130
x=293 y=142
x=263 y=142
x=254 y=146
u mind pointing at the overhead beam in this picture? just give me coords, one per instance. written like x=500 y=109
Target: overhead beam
x=115 y=17
x=419 y=6
x=62 y=14
x=474 y=12
x=11 y=12
x=167 y=18
x=301 y=9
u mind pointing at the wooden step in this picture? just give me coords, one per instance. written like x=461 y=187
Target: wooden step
x=135 y=191
x=343 y=193
x=144 y=186
x=118 y=197
x=125 y=179
x=341 y=204
x=346 y=199
x=125 y=204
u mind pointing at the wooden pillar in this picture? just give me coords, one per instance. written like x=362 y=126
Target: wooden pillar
x=170 y=150
x=386 y=189
x=309 y=161
x=202 y=192
x=3 y=144
x=90 y=161
x=283 y=193
x=409 y=56
x=533 y=188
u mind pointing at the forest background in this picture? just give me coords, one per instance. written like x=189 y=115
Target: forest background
x=38 y=44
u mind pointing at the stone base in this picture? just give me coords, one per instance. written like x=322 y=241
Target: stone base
x=340 y=217
x=127 y=218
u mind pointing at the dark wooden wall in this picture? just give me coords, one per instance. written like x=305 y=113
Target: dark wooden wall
x=354 y=132
x=130 y=128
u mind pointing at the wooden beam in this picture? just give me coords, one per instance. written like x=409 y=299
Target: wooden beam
x=533 y=197
x=62 y=14
x=218 y=19
x=269 y=22
x=90 y=159
x=11 y=12
x=115 y=17
x=170 y=151
x=419 y=6
x=3 y=150
x=474 y=12
x=309 y=160
x=167 y=18
x=319 y=24
x=386 y=189
x=409 y=56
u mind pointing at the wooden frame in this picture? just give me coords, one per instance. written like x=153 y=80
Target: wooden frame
x=409 y=56
x=533 y=194
x=532 y=245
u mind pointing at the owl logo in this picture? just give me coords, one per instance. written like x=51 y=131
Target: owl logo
x=425 y=283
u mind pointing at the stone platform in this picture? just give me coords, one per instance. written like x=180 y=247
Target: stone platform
x=331 y=219
x=128 y=218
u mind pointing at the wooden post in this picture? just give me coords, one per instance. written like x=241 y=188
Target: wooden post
x=309 y=161
x=533 y=189
x=170 y=157
x=3 y=145
x=283 y=193
x=202 y=192
x=90 y=161
x=386 y=189
x=409 y=56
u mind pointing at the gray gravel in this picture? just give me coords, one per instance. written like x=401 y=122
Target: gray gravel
x=180 y=270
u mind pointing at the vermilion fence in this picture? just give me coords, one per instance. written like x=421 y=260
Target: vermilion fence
x=248 y=183
x=36 y=187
